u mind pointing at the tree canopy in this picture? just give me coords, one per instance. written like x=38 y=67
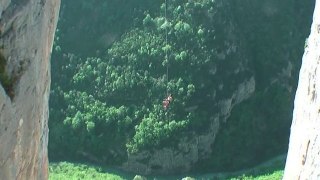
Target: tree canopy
x=110 y=77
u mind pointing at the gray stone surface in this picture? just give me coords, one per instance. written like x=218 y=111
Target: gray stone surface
x=303 y=161
x=26 y=36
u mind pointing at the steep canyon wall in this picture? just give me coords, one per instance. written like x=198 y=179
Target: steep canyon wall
x=303 y=161
x=26 y=36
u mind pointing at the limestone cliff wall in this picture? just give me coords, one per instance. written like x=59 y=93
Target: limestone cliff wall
x=303 y=161
x=26 y=36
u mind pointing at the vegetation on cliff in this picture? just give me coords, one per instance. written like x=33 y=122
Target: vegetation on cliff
x=5 y=80
x=108 y=82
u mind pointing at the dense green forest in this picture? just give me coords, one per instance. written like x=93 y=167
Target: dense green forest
x=109 y=77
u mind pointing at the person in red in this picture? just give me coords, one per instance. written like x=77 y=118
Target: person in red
x=167 y=101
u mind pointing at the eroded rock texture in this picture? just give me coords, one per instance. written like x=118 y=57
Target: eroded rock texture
x=26 y=36
x=303 y=161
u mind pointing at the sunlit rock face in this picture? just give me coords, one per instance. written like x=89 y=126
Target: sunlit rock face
x=303 y=161
x=26 y=36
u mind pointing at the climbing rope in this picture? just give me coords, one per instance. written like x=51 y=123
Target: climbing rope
x=166 y=49
x=168 y=98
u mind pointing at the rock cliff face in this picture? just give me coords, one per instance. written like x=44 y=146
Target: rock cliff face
x=26 y=36
x=303 y=161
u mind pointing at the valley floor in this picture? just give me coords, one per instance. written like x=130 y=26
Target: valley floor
x=270 y=170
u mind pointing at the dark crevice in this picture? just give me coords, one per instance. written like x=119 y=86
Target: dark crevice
x=20 y=2
x=5 y=80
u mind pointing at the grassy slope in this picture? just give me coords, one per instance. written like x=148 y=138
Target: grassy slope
x=75 y=171
x=271 y=170
x=276 y=175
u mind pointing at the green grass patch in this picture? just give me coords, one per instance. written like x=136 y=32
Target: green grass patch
x=276 y=175
x=75 y=171
x=270 y=170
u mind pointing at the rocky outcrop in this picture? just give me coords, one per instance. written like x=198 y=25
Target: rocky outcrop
x=26 y=36
x=303 y=161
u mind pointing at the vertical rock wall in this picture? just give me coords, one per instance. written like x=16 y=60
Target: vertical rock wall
x=303 y=161
x=26 y=36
